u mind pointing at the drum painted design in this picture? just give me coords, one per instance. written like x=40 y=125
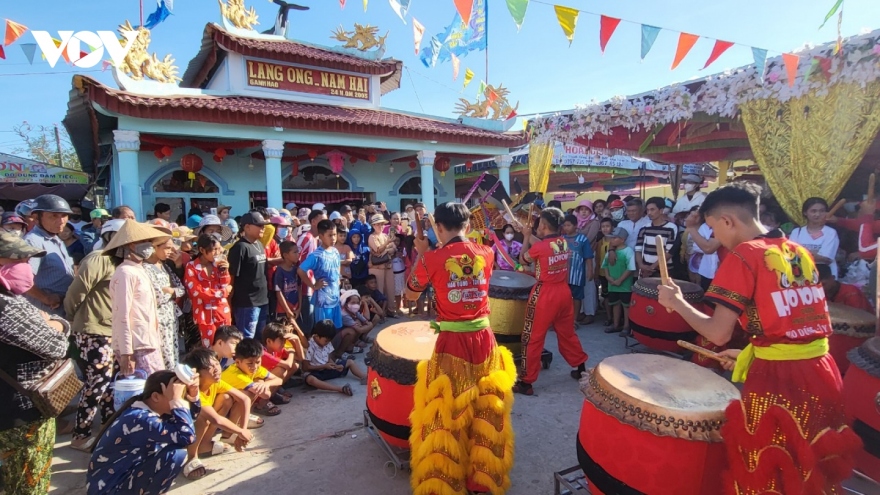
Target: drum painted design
x=851 y=328
x=861 y=391
x=652 y=424
x=655 y=327
x=508 y=293
x=391 y=377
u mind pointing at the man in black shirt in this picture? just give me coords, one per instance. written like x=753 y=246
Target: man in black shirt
x=247 y=266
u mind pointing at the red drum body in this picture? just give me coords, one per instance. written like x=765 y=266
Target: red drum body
x=652 y=423
x=391 y=377
x=652 y=325
x=861 y=390
x=852 y=327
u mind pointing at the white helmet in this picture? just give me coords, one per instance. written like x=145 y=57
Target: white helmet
x=112 y=225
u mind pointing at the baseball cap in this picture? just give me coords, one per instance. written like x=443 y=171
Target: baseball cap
x=99 y=213
x=272 y=212
x=617 y=204
x=345 y=209
x=11 y=217
x=290 y=206
x=252 y=218
x=279 y=220
x=335 y=215
x=319 y=206
x=15 y=248
x=692 y=178
x=619 y=232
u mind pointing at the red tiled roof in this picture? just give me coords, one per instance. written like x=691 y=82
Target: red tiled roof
x=281 y=50
x=262 y=112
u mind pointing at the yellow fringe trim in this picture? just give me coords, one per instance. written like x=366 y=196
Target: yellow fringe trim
x=454 y=439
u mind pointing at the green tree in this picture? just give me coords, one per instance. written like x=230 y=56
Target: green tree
x=40 y=145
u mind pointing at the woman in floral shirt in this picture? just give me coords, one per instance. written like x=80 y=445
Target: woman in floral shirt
x=207 y=283
x=168 y=289
x=509 y=246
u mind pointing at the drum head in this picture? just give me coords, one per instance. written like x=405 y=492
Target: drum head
x=851 y=321
x=867 y=356
x=648 y=287
x=666 y=396
x=411 y=340
x=511 y=280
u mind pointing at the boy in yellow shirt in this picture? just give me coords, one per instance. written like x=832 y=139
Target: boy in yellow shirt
x=250 y=377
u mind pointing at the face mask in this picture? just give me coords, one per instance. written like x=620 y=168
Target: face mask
x=689 y=187
x=15 y=232
x=143 y=250
x=617 y=215
x=354 y=308
x=282 y=232
x=18 y=277
x=76 y=218
x=509 y=237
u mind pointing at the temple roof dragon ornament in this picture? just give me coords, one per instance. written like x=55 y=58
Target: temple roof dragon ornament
x=139 y=64
x=495 y=100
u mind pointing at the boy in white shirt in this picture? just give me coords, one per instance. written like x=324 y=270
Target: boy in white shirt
x=323 y=362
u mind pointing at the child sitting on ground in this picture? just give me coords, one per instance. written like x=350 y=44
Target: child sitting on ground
x=282 y=355
x=222 y=407
x=323 y=362
x=353 y=316
x=380 y=299
x=619 y=266
x=286 y=281
x=225 y=339
x=248 y=376
x=143 y=446
x=374 y=311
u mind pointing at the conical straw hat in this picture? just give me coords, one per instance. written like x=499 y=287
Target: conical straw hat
x=134 y=232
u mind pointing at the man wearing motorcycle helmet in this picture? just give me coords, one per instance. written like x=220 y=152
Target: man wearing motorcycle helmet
x=53 y=273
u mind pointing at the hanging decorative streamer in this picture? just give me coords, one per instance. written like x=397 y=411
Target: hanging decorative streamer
x=341 y=4
x=468 y=77
x=719 y=48
x=401 y=7
x=14 y=31
x=29 y=49
x=760 y=56
x=460 y=38
x=511 y=115
x=158 y=16
x=686 y=41
x=568 y=18
x=831 y=12
x=464 y=8
x=2 y=53
x=418 y=33
x=365 y=5
x=607 y=25
x=517 y=9
x=791 y=66
x=456 y=65
x=435 y=50
x=106 y=64
x=63 y=52
x=649 y=36
x=491 y=97
x=482 y=89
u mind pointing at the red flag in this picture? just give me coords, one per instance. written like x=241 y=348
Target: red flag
x=607 y=25
x=511 y=115
x=791 y=66
x=686 y=41
x=491 y=97
x=464 y=8
x=2 y=53
x=719 y=48
x=14 y=31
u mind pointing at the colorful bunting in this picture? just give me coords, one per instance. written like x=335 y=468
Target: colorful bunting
x=460 y=38
x=341 y=4
x=517 y=9
x=568 y=18
x=719 y=48
x=649 y=36
x=456 y=65
x=482 y=89
x=607 y=25
x=63 y=52
x=831 y=12
x=401 y=7
x=468 y=77
x=105 y=64
x=491 y=97
x=158 y=16
x=791 y=66
x=464 y=8
x=686 y=41
x=511 y=115
x=365 y=5
x=29 y=49
x=2 y=53
x=418 y=33
x=436 y=45
x=14 y=31
x=760 y=56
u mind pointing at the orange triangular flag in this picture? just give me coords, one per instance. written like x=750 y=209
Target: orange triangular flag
x=791 y=66
x=14 y=31
x=464 y=8
x=686 y=41
x=719 y=48
x=491 y=97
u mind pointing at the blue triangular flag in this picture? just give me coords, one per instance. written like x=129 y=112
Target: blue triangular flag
x=158 y=16
x=760 y=55
x=401 y=7
x=29 y=50
x=436 y=45
x=649 y=36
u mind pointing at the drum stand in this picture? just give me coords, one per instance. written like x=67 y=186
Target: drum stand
x=570 y=481
x=398 y=459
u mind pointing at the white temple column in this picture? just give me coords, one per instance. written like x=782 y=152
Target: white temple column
x=272 y=150
x=128 y=145
x=503 y=163
x=426 y=161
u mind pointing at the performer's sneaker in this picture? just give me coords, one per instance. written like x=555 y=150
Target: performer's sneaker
x=576 y=373
x=523 y=388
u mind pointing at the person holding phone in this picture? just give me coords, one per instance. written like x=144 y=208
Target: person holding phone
x=207 y=282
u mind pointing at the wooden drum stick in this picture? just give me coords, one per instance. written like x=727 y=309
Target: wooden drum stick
x=836 y=207
x=705 y=352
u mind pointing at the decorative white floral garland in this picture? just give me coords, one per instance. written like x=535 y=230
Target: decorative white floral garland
x=720 y=94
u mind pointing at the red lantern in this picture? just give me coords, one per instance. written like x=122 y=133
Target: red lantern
x=167 y=151
x=217 y=159
x=442 y=165
x=412 y=164
x=192 y=163
x=313 y=154
x=158 y=154
x=372 y=158
x=468 y=165
x=352 y=159
x=220 y=152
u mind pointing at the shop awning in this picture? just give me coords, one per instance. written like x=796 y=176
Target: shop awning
x=310 y=198
x=22 y=178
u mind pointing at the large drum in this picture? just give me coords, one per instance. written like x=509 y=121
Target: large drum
x=391 y=377
x=508 y=293
x=651 y=425
x=655 y=327
x=851 y=328
x=861 y=390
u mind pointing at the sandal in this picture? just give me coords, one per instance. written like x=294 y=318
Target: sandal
x=194 y=470
x=217 y=448
x=279 y=398
x=255 y=422
x=357 y=350
x=523 y=388
x=347 y=390
x=285 y=393
x=267 y=409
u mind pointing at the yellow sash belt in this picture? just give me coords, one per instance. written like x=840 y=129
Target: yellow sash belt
x=460 y=326
x=777 y=352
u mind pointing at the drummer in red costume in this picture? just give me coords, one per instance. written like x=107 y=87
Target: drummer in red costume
x=461 y=438
x=549 y=303
x=788 y=434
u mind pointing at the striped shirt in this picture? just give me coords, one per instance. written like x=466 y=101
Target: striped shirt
x=580 y=253
x=646 y=243
x=53 y=273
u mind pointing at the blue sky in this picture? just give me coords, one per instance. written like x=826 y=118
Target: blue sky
x=543 y=73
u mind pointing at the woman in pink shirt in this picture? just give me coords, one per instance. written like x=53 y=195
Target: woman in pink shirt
x=395 y=225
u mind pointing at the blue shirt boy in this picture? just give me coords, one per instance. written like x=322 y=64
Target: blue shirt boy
x=324 y=263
